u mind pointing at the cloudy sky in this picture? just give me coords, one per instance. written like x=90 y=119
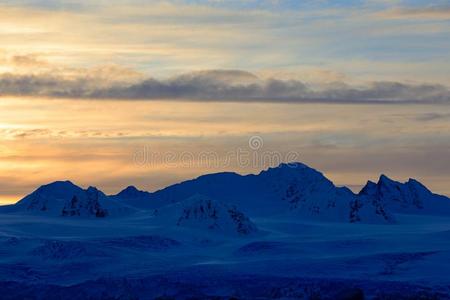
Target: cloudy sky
x=353 y=88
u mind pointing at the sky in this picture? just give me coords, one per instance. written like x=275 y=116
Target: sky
x=93 y=91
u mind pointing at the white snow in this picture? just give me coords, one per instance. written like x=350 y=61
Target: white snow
x=409 y=197
x=202 y=213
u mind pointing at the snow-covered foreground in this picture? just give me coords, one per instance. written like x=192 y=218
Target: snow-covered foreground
x=55 y=257
x=287 y=232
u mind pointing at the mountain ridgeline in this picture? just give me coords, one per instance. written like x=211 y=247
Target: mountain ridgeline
x=229 y=200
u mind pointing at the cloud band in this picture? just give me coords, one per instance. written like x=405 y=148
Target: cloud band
x=219 y=85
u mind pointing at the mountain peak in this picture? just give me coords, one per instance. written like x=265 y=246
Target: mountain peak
x=130 y=188
x=57 y=189
x=369 y=188
x=298 y=172
x=60 y=184
x=408 y=197
x=132 y=192
x=50 y=197
x=416 y=183
x=293 y=165
x=92 y=189
x=384 y=179
x=411 y=184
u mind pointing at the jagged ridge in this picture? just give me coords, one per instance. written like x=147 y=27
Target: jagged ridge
x=408 y=197
x=293 y=188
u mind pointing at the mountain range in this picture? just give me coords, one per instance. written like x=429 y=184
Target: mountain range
x=228 y=201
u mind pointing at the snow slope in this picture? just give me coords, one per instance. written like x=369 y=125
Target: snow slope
x=202 y=213
x=65 y=258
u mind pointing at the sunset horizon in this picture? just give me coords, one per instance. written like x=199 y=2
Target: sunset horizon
x=224 y=149
x=208 y=69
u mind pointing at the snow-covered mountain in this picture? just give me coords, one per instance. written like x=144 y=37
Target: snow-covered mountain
x=287 y=189
x=247 y=237
x=203 y=213
x=410 y=197
x=310 y=194
x=50 y=198
x=292 y=190
x=63 y=198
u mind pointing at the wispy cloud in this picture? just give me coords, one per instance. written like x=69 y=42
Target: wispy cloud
x=431 y=12
x=376 y=42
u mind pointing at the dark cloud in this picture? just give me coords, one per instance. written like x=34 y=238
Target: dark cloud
x=219 y=85
x=27 y=61
x=432 y=116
